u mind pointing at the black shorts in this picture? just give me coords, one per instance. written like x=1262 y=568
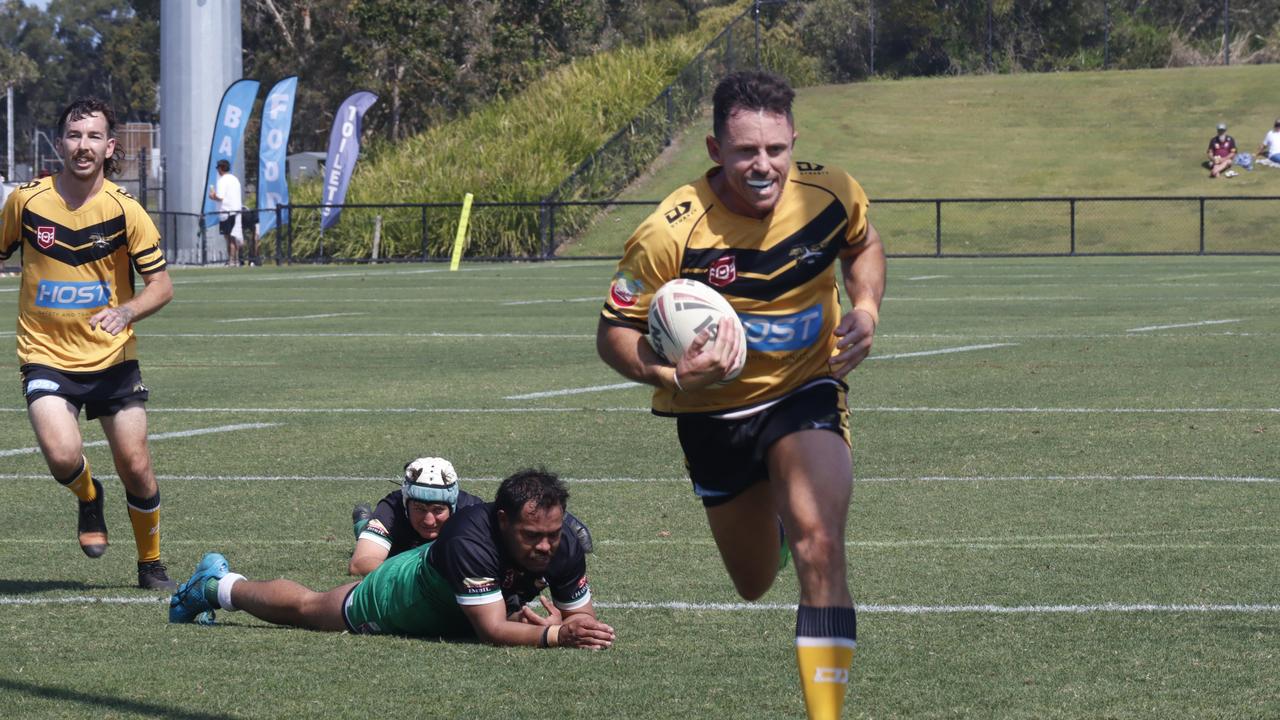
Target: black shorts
x=100 y=393
x=726 y=456
x=226 y=226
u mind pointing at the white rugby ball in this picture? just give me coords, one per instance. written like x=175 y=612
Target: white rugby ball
x=681 y=309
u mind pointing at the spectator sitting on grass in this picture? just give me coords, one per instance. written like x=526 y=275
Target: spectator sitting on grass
x=1222 y=153
x=1270 y=147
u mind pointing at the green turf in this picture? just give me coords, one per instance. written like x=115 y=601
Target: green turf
x=1083 y=463
x=1128 y=133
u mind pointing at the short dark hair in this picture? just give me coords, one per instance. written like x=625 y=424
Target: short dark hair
x=749 y=90
x=224 y=166
x=84 y=107
x=542 y=487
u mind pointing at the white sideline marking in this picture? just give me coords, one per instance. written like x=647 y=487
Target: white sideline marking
x=943 y=351
x=1148 y=328
x=550 y=336
x=926 y=277
x=159 y=436
x=593 y=298
x=601 y=480
x=867 y=409
x=619 y=386
x=983 y=609
x=571 y=391
x=292 y=317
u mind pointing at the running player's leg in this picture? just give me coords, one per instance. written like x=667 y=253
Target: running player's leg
x=746 y=533
x=57 y=427
x=285 y=602
x=126 y=432
x=811 y=473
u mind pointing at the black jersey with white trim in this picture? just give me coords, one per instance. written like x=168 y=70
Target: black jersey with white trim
x=75 y=263
x=390 y=526
x=778 y=273
x=471 y=556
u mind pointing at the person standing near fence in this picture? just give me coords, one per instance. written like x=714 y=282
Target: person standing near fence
x=769 y=452
x=82 y=239
x=227 y=193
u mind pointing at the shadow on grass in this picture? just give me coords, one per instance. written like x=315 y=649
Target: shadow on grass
x=26 y=587
x=100 y=703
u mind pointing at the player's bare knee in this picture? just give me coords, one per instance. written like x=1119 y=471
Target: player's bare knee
x=819 y=548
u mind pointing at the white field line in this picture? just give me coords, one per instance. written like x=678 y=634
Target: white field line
x=1246 y=480
x=292 y=317
x=1148 y=328
x=990 y=298
x=926 y=277
x=399 y=335
x=878 y=409
x=593 y=298
x=942 y=351
x=571 y=391
x=158 y=436
x=620 y=386
x=983 y=609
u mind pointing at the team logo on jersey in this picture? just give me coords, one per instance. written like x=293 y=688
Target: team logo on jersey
x=807 y=254
x=808 y=167
x=625 y=289
x=98 y=240
x=723 y=271
x=678 y=212
x=45 y=236
x=483 y=583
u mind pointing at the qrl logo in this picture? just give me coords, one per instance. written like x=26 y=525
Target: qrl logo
x=72 y=295
x=45 y=236
x=723 y=271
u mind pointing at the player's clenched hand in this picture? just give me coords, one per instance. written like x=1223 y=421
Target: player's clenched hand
x=855 y=332
x=706 y=362
x=112 y=320
x=584 y=631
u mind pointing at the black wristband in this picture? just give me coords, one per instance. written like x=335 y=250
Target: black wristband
x=543 y=642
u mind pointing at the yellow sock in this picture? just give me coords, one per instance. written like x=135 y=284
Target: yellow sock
x=81 y=483
x=824 y=674
x=144 y=515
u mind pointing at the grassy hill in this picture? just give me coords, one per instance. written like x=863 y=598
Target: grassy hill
x=1141 y=132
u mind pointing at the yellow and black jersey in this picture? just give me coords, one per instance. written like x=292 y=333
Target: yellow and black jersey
x=777 y=273
x=75 y=263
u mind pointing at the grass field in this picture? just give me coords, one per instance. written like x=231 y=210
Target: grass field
x=1066 y=500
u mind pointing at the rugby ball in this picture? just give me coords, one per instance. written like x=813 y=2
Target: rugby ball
x=681 y=309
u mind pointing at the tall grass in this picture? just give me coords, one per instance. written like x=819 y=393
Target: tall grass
x=512 y=150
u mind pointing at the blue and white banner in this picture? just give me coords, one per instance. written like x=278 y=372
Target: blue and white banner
x=273 y=186
x=228 y=132
x=344 y=148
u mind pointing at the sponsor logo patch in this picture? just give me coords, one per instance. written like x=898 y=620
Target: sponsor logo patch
x=478 y=583
x=42 y=385
x=674 y=214
x=625 y=290
x=45 y=236
x=782 y=332
x=808 y=167
x=72 y=295
x=831 y=675
x=723 y=271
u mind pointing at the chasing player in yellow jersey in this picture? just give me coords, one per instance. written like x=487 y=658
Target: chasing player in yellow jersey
x=82 y=240
x=772 y=445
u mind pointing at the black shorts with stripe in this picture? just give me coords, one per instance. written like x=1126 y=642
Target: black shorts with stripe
x=100 y=393
x=725 y=456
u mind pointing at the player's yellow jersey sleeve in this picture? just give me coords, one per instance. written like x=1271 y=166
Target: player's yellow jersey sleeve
x=11 y=223
x=651 y=257
x=144 y=238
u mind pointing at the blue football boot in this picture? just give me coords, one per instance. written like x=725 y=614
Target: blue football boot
x=191 y=599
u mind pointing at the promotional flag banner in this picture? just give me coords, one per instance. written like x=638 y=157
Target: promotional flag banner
x=228 y=132
x=273 y=186
x=344 y=148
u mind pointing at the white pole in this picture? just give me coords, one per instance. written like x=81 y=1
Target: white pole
x=9 y=123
